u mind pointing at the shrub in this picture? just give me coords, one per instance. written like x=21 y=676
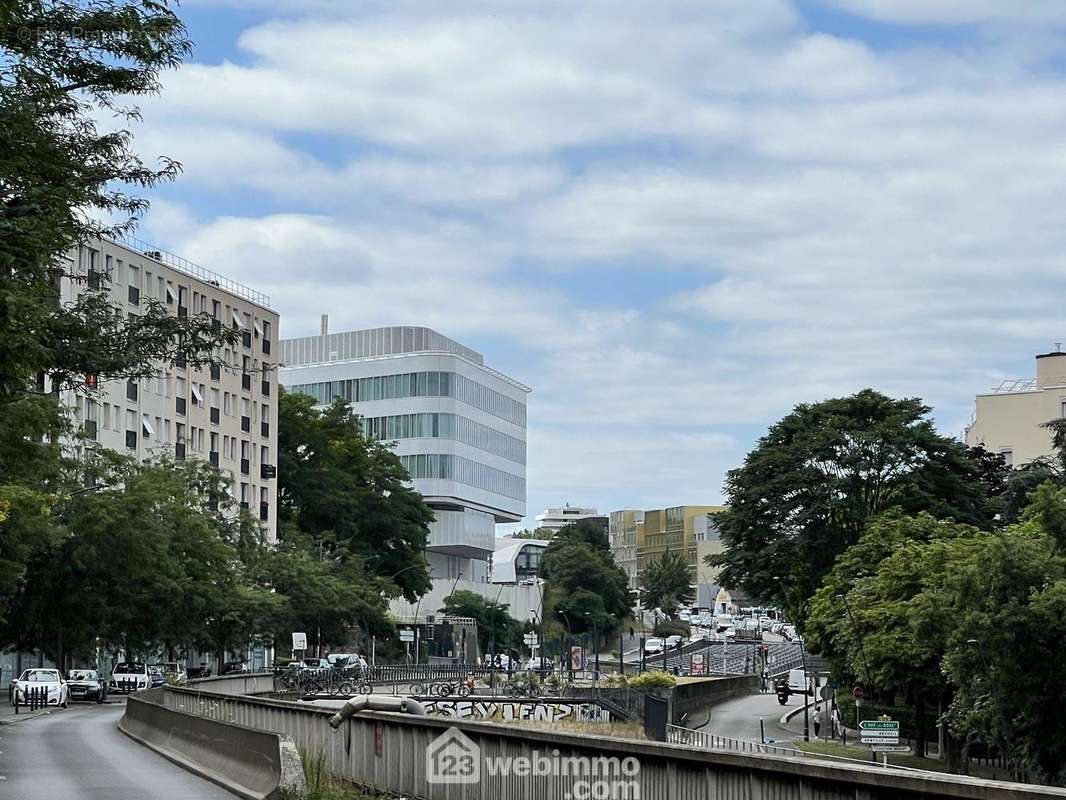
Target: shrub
x=671 y=627
x=656 y=679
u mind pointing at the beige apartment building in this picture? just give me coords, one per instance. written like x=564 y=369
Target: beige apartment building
x=225 y=415
x=640 y=537
x=1008 y=419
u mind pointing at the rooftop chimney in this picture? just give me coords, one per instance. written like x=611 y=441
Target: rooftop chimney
x=325 y=324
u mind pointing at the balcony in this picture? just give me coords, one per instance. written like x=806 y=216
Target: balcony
x=134 y=295
x=183 y=312
x=265 y=388
x=131 y=391
x=246 y=424
x=216 y=372
x=246 y=466
x=266 y=346
x=215 y=415
x=268 y=471
x=264 y=429
x=180 y=404
x=264 y=511
x=246 y=339
x=131 y=440
x=246 y=382
x=213 y=458
x=179 y=451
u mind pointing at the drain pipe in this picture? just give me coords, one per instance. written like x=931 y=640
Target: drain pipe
x=365 y=702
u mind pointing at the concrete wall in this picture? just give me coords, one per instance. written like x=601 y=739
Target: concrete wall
x=388 y=752
x=250 y=763
x=694 y=696
x=245 y=683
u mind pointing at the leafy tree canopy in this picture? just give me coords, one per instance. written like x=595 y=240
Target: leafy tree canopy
x=807 y=490
x=338 y=486
x=494 y=620
x=666 y=583
x=578 y=566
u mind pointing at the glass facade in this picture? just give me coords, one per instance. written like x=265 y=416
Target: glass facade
x=417 y=384
x=439 y=466
x=446 y=426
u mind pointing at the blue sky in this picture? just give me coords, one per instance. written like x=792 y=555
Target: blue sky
x=674 y=221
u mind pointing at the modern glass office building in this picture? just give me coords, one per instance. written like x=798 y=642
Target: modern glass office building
x=459 y=427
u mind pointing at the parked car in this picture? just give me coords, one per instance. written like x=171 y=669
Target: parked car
x=48 y=679
x=653 y=645
x=724 y=621
x=233 y=667
x=173 y=670
x=534 y=664
x=156 y=676
x=701 y=635
x=202 y=671
x=776 y=627
x=86 y=684
x=343 y=660
x=789 y=632
x=728 y=635
x=126 y=673
x=673 y=641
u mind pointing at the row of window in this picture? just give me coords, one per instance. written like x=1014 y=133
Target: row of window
x=418 y=384
x=446 y=426
x=463 y=470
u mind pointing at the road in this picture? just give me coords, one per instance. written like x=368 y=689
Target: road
x=739 y=718
x=79 y=753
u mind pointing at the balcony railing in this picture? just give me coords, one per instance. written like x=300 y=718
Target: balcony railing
x=246 y=424
x=268 y=471
x=131 y=391
x=246 y=466
x=246 y=382
x=134 y=295
x=216 y=372
x=183 y=312
x=131 y=440
x=265 y=388
x=180 y=404
x=264 y=429
x=215 y=415
x=266 y=346
x=246 y=339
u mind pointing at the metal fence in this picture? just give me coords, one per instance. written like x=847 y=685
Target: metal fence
x=675 y=734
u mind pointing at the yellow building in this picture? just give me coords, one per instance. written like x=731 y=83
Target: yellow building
x=640 y=537
x=1008 y=419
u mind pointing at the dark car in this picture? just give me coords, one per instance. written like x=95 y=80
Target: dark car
x=86 y=684
x=234 y=667
x=156 y=676
x=202 y=671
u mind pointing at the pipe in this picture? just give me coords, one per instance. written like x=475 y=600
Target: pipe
x=404 y=705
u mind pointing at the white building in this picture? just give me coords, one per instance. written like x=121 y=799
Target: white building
x=459 y=428
x=1010 y=419
x=517 y=560
x=225 y=415
x=553 y=519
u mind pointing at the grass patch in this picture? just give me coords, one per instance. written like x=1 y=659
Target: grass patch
x=862 y=752
x=616 y=730
x=320 y=786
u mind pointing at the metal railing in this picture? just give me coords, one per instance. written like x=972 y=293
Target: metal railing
x=194 y=270
x=675 y=734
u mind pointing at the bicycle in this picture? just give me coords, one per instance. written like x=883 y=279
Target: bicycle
x=448 y=688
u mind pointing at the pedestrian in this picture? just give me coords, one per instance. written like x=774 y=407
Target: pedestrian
x=837 y=724
x=817 y=723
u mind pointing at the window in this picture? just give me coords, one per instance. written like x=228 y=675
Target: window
x=1008 y=456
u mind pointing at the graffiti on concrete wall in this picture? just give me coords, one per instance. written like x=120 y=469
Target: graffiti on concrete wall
x=508 y=710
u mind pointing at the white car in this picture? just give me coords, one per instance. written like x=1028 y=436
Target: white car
x=673 y=641
x=728 y=635
x=724 y=621
x=684 y=616
x=701 y=635
x=776 y=627
x=653 y=645
x=49 y=680
x=130 y=675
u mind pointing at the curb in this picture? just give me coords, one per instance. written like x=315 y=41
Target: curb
x=793 y=712
x=26 y=716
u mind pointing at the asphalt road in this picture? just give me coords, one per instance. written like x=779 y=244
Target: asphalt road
x=80 y=754
x=739 y=718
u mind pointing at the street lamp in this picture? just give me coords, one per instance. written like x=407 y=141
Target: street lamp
x=806 y=678
x=569 y=643
x=539 y=622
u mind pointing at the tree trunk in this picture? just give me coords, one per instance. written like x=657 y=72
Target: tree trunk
x=919 y=721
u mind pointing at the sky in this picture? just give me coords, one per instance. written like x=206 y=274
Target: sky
x=674 y=221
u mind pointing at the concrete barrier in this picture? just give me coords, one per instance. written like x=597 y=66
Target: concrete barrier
x=695 y=695
x=254 y=764
x=391 y=752
x=239 y=683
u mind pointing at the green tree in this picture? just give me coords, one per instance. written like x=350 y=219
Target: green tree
x=337 y=485
x=582 y=581
x=493 y=619
x=807 y=490
x=666 y=583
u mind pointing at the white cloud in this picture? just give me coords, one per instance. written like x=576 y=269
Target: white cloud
x=674 y=221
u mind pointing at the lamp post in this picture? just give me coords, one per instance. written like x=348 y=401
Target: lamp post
x=806 y=678
x=539 y=622
x=569 y=644
x=492 y=642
